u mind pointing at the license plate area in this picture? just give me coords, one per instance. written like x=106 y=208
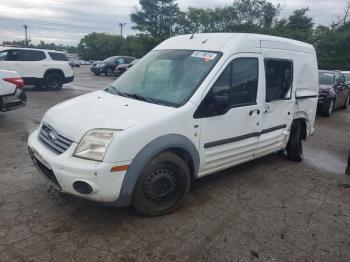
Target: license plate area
x=44 y=169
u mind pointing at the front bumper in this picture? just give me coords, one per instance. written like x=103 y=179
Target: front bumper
x=98 y=70
x=62 y=171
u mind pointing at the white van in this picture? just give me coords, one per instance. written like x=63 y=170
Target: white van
x=193 y=106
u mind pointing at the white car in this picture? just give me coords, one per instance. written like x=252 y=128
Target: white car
x=38 y=67
x=12 y=95
x=193 y=106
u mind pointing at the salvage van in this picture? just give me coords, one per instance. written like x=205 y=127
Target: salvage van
x=194 y=105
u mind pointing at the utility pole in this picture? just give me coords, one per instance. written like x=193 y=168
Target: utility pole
x=26 y=34
x=121 y=28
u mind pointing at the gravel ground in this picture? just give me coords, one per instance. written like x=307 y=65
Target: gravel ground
x=266 y=210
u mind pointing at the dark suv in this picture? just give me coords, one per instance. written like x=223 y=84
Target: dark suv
x=108 y=65
x=334 y=92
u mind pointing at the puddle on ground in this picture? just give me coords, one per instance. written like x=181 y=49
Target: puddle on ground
x=325 y=160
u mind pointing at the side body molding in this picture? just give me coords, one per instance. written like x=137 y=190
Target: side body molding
x=146 y=154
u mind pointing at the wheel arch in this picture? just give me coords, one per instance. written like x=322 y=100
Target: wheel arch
x=177 y=144
x=54 y=70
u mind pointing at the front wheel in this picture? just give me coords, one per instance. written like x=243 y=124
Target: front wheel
x=162 y=185
x=328 y=108
x=345 y=106
x=110 y=72
x=295 y=146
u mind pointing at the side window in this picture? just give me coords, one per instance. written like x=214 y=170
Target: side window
x=279 y=79
x=342 y=78
x=12 y=55
x=120 y=60
x=31 y=55
x=239 y=82
x=3 y=55
x=58 y=56
x=337 y=78
x=237 y=86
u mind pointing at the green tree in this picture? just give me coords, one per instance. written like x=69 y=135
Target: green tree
x=98 y=46
x=156 y=17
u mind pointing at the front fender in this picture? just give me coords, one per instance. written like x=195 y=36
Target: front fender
x=152 y=149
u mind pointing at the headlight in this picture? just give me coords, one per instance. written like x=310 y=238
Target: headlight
x=94 y=144
x=100 y=65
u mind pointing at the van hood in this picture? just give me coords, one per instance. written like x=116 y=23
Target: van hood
x=73 y=118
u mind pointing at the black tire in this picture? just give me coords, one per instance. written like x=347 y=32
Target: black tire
x=328 y=108
x=97 y=74
x=295 y=146
x=345 y=106
x=110 y=72
x=54 y=81
x=162 y=186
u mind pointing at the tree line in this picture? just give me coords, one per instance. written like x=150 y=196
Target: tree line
x=157 y=20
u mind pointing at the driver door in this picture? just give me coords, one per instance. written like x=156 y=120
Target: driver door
x=230 y=115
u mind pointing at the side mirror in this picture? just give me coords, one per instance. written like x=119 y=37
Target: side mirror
x=219 y=104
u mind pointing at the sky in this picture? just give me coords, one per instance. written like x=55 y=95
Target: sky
x=67 y=21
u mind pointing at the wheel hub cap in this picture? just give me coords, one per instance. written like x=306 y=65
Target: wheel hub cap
x=160 y=185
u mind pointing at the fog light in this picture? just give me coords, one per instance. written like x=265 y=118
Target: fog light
x=82 y=187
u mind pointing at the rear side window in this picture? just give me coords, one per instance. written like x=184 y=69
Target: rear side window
x=279 y=79
x=239 y=82
x=58 y=56
x=31 y=55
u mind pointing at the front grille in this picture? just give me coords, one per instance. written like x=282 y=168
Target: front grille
x=53 y=140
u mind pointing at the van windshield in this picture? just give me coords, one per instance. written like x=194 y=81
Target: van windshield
x=167 y=77
x=326 y=78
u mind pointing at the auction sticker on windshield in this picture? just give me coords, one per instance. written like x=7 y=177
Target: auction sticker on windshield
x=207 y=56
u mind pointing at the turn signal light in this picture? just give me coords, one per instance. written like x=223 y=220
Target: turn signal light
x=119 y=168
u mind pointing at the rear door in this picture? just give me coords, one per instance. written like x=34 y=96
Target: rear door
x=32 y=63
x=278 y=108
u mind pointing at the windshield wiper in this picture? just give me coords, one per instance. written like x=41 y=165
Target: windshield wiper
x=113 y=90
x=139 y=97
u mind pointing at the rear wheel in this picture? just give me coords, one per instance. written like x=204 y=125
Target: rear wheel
x=345 y=106
x=162 y=185
x=295 y=146
x=54 y=81
x=328 y=108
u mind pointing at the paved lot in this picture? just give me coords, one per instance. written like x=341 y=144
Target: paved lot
x=267 y=210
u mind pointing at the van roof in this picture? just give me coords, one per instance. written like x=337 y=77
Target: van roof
x=240 y=42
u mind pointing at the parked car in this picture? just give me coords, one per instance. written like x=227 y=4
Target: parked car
x=121 y=69
x=193 y=106
x=108 y=65
x=12 y=95
x=74 y=63
x=347 y=76
x=333 y=93
x=38 y=67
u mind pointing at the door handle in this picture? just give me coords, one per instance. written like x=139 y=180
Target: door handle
x=267 y=109
x=255 y=110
